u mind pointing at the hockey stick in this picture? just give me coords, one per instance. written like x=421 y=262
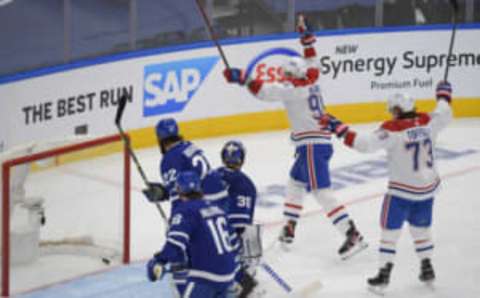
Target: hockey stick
x=212 y=34
x=454 y=4
x=122 y=103
x=277 y=278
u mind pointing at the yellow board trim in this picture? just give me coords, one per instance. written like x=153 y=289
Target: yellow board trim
x=277 y=120
x=266 y=121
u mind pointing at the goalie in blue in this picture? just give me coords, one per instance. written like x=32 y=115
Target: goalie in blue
x=243 y=195
x=199 y=239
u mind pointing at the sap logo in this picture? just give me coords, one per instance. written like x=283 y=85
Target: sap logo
x=168 y=87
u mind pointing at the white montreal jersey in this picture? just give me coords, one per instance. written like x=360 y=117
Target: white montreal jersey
x=302 y=99
x=410 y=147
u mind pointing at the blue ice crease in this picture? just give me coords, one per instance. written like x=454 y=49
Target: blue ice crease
x=126 y=281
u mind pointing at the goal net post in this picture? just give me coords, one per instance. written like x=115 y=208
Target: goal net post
x=65 y=201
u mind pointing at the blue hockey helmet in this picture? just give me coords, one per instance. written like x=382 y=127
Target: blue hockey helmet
x=233 y=153
x=166 y=128
x=188 y=182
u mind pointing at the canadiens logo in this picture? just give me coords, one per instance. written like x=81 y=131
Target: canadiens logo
x=267 y=65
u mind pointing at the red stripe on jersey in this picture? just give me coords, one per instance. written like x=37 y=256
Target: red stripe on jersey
x=349 y=138
x=386 y=206
x=410 y=187
x=332 y=213
x=422 y=241
x=311 y=77
x=255 y=86
x=421 y=119
x=312 y=133
x=311 y=167
x=289 y=205
x=309 y=52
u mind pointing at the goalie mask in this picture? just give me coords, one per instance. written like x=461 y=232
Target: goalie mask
x=401 y=101
x=295 y=67
x=233 y=154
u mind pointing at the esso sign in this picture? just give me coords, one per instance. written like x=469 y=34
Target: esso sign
x=269 y=73
x=267 y=65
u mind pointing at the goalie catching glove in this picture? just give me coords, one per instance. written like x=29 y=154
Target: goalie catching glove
x=155 y=193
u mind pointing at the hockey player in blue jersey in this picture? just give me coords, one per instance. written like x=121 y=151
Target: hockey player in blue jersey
x=199 y=238
x=180 y=155
x=243 y=195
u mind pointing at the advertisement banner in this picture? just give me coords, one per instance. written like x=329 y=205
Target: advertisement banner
x=188 y=84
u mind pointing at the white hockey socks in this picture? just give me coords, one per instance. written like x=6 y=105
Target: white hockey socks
x=388 y=244
x=422 y=239
x=337 y=213
x=293 y=205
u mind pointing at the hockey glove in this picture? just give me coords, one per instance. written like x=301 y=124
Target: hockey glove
x=234 y=75
x=307 y=37
x=333 y=125
x=444 y=91
x=155 y=270
x=155 y=192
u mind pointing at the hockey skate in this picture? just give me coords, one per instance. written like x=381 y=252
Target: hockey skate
x=353 y=244
x=287 y=235
x=378 y=283
x=427 y=274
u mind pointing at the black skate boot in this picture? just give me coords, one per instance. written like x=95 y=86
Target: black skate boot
x=288 y=232
x=248 y=283
x=427 y=274
x=378 y=283
x=353 y=244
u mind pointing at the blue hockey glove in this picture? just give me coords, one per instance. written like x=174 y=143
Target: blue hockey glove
x=155 y=192
x=234 y=75
x=444 y=91
x=307 y=37
x=333 y=125
x=155 y=270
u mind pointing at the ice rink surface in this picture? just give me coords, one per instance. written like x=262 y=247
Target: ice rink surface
x=360 y=181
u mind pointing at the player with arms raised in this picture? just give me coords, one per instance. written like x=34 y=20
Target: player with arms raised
x=301 y=95
x=409 y=140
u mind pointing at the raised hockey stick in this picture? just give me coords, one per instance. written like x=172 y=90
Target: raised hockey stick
x=212 y=34
x=122 y=103
x=454 y=5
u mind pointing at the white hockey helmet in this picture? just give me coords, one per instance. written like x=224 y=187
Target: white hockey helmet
x=295 y=67
x=402 y=101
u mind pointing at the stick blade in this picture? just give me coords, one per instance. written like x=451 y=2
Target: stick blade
x=122 y=103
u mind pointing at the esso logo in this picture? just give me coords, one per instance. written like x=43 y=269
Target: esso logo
x=267 y=65
x=269 y=73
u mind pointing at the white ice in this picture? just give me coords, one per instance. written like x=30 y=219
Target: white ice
x=313 y=258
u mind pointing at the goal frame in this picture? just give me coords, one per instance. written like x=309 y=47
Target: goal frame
x=8 y=164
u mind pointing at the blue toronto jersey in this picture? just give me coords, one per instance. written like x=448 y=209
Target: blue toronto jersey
x=185 y=156
x=243 y=195
x=201 y=236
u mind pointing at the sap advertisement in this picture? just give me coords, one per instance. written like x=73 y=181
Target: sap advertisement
x=188 y=84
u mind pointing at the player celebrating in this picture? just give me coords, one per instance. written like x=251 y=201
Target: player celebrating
x=413 y=180
x=200 y=239
x=243 y=195
x=302 y=98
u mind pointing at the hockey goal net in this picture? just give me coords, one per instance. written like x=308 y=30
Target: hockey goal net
x=65 y=211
